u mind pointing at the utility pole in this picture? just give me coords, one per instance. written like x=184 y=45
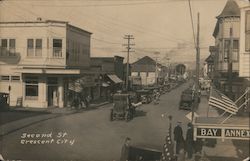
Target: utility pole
x=156 y=70
x=197 y=63
x=128 y=47
x=230 y=64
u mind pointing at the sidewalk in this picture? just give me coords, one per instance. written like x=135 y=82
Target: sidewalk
x=224 y=149
x=51 y=113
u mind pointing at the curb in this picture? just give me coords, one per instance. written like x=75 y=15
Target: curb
x=13 y=126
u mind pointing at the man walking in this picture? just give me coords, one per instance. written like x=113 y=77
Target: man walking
x=189 y=141
x=178 y=137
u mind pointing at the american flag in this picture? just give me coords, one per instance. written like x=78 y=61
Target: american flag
x=168 y=148
x=219 y=100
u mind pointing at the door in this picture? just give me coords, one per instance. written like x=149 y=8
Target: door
x=52 y=96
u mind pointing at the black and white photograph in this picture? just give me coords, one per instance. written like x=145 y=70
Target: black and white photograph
x=124 y=80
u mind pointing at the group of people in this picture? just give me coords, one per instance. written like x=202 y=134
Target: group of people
x=187 y=145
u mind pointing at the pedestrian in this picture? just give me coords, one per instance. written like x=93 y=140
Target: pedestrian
x=189 y=141
x=125 y=150
x=178 y=137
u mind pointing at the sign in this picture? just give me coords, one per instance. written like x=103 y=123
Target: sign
x=211 y=132
x=234 y=133
x=189 y=115
x=240 y=133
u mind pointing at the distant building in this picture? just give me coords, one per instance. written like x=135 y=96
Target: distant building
x=148 y=70
x=111 y=74
x=39 y=58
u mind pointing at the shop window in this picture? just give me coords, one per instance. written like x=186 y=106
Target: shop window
x=5 y=78
x=247 y=41
x=57 y=48
x=31 y=88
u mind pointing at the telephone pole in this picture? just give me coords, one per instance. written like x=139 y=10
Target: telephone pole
x=156 y=70
x=230 y=64
x=128 y=47
x=197 y=63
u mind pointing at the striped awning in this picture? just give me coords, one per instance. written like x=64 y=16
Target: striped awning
x=114 y=78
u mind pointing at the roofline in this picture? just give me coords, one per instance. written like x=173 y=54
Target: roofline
x=77 y=28
x=46 y=21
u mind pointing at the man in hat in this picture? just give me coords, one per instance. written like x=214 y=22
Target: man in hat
x=178 y=137
x=189 y=141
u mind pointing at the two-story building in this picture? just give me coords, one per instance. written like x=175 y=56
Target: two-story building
x=227 y=27
x=39 y=58
x=232 y=24
x=149 y=71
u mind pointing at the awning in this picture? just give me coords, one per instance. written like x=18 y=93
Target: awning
x=114 y=78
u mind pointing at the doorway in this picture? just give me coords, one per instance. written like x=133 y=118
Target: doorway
x=52 y=96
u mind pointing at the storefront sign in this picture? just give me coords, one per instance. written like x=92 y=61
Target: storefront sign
x=212 y=132
x=240 y=133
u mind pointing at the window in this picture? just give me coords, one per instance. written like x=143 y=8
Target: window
x=34 y=47
x=38 y=51
x=247 y=41
x=5 y=78
x=57 y=48
x=235 y=51
x=8 y=47
x=15 y=78
x=31 y=88
x=226 y=49
x=30 y=47
x=12 y=47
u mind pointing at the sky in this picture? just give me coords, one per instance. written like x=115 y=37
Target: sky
x=158 y=26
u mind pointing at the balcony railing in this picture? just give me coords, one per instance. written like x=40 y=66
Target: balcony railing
x=57 y=52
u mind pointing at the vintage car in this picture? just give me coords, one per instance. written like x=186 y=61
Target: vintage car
x=145 y=96
x=122 y=107
x=137 y=153
x=187 y=99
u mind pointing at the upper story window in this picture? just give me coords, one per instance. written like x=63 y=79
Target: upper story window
x=227 y=49
x=5 y=78
x=57 y=48
x=8 y=47
x=247 y=31
x=34 y=47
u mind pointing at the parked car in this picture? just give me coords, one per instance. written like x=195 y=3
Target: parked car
x=122 y=107
x=187 y=99
x=145 y=96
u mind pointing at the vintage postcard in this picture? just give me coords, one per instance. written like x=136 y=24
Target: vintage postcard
x=124 y=80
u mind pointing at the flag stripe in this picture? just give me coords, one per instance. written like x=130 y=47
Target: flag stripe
x=219 y=100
